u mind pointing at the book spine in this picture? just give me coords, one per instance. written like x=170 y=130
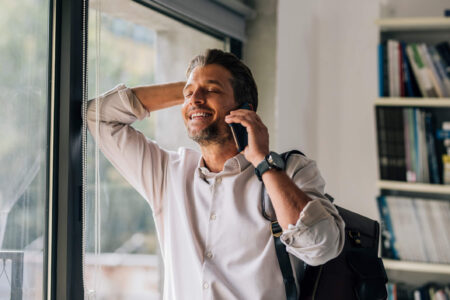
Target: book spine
x=409 y=92
x=394 y=71
x=432 y=72
x=412 y=145
x=420 y=72
x=423 y=148
x=440 y=69
x=387 y=232
x=410 y=176
x=385 y=71
x=382 y=142
x=431 y=149
x=381 y=70
x=417 y=154
x=426 y=237
x=444 y=51
x=401 y=82
x=400 y=145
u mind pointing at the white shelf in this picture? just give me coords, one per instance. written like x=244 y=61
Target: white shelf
x=407 y=266
x=415 y=102
x=413 y=23
x=416 y=273
x=414 y=187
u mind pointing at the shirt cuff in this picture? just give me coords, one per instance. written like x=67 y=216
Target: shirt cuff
x=313 y=213
x=130 y=100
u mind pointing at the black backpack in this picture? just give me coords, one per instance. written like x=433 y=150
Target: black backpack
x=357 y=273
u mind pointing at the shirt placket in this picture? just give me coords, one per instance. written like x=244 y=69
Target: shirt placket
x=211 y=230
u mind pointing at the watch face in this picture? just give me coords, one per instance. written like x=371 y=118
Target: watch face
x=275 y=160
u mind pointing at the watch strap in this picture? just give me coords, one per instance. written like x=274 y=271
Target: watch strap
x=262 y=167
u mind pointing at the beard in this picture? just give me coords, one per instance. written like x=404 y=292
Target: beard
x=213 y=134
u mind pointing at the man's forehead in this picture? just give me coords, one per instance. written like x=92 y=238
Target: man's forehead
x=210 y=74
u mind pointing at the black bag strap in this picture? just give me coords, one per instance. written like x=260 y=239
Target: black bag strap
x=284 y=262
x=282 y=255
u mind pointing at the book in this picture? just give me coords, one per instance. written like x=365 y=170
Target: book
x=443 y=49
x=415 y=229
x=423 y=150
x=399 y=142
x=415 y=245
x=398 y=218
x=443 y=210
x=444 y=240
x=431 y=149
x=421 y=73
x=431 y=70
x=427 y=239
x=381 y=71
x=402 y=87
x=417 y=145
x=394 y=68
x=440 y=69
x=382 y=143
x=387 y=232
x=410 y=145
x=410 y=83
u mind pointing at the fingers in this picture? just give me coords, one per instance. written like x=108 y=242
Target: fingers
x=245 y=117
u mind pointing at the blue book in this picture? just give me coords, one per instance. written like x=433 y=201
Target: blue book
x=387 y=232
x=409 y=91
x=442 y=134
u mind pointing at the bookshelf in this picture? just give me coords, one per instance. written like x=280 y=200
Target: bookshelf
x=414 y=187
x=415 y=30
x=416 y=272
x=408 y=24
x=413 y=102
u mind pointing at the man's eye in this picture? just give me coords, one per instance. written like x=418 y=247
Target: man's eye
x=187 y=95
x=213 y=91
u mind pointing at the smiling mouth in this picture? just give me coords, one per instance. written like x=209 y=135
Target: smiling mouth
x=200 y=116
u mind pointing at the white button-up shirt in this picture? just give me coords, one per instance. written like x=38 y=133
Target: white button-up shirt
x=215 y=242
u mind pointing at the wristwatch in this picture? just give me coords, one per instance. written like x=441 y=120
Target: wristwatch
x=271 y=161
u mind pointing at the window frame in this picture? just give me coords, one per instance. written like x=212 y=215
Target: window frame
x=63 y=254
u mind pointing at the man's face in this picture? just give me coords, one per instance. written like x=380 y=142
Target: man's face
x=208 y=98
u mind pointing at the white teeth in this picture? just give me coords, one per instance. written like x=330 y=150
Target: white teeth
x=199 y=115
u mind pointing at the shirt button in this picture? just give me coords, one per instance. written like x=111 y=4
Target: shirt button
x=209 y=254
x=205 y=285
x=213 y=217
x=219 y=180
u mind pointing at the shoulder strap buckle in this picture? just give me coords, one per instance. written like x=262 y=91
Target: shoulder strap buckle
x=276 y=229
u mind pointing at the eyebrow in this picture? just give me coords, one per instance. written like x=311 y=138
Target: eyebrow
x=210 y=81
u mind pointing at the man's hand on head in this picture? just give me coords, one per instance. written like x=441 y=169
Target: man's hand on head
x=258 y=135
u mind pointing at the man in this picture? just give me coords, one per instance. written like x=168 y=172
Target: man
x=215 y=242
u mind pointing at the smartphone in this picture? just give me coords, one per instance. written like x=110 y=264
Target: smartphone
x=240 y=132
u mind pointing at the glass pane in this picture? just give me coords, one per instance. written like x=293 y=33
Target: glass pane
x=137 y=47
x=23 y=148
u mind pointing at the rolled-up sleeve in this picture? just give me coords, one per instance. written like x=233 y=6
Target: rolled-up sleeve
x=318 y=236
x=139 y=160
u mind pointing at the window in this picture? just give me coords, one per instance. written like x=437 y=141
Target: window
x=24 y=55
x=138 y=46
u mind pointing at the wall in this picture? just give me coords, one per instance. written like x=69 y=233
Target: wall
x=260 y=55
x=326 y=84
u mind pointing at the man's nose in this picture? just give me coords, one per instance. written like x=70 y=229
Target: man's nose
x=198 y=96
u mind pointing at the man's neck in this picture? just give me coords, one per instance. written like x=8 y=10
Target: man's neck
x=215 y=155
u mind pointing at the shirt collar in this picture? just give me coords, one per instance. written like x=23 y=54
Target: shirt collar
x=234 y=165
